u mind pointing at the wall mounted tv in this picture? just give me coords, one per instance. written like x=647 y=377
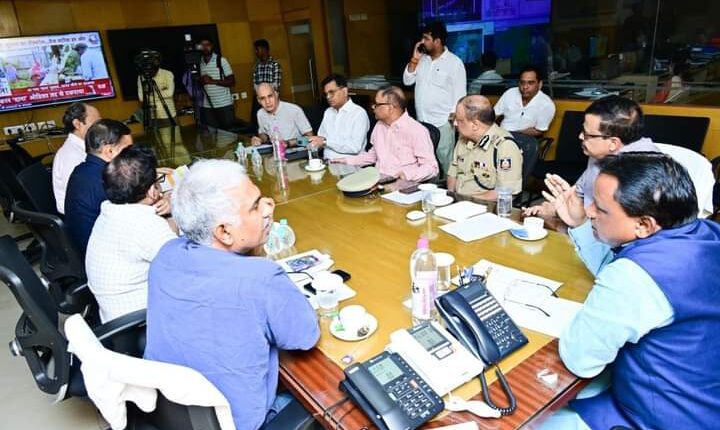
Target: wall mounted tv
x=52 y=69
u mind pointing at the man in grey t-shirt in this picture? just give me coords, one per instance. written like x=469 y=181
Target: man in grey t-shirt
x=287 y=119
x=612 y=125
x=216 y=77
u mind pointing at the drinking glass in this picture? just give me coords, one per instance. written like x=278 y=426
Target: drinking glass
x=504 y=201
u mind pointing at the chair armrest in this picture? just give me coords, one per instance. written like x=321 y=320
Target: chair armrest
x=544 y=144
x=716 y=167
x=291 y=417
x=125 y=334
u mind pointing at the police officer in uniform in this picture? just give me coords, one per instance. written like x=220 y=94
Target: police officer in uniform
x=486 y=156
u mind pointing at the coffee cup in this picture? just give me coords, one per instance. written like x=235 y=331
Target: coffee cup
x=533 y=225
x=353 y=318
x=315 y=163
x=438 y=197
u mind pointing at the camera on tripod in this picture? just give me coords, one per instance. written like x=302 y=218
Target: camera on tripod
x=147 y=62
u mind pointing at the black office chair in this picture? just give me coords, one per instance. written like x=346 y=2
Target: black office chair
x=37 y=337
x=10 y=192
x=570 y=161
x=686 y=131
x=60 y=263
x=22 y=156
x=716 y=189
x=170 y=415
x=36 y=182
x=434 y=134
x=314 y=114
x=529 y=147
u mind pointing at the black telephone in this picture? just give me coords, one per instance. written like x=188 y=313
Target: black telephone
x=391 y=393
x=478 y=321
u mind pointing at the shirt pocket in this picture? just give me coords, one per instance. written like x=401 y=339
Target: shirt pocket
x=441 y=80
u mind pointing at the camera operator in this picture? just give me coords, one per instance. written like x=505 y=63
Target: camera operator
x=165 y=82
x=217 y=77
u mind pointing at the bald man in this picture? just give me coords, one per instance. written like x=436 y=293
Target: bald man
x=401 y=146
x=289 y=119
x=486 y=156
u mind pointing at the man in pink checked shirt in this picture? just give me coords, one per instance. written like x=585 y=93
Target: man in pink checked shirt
x=401 y=146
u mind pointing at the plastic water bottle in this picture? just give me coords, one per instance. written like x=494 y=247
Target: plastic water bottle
x=274 y=244
x=286 y=233
x=256 y=158
x=278 y=146
x=241 y=153
x=424 y=283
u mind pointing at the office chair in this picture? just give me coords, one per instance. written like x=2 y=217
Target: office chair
x=570 y=161
x=37 y=336
x=36 y=182
x=716 y=189
x=176 y=397
x=22 y=156
x=10 y=192
x=686 y=131
x=700 y=171
x=529 y=147
x=434 y=134
x=60 y=263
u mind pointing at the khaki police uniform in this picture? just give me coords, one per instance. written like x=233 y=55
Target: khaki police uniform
x=494 y=161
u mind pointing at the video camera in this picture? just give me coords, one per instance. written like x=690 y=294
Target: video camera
x=191 y=55
x=147 y=62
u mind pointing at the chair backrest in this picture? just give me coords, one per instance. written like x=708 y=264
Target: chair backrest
x=314 y=115
x=701 y=173
x=36 y=334
x=36 y=181
x=529 y=147
x=10 y=189
x=686 y=131
x=60 y=262
x=434 y=134
x=569 y=149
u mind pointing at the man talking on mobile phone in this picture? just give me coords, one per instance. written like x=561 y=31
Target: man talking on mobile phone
x=440 y=82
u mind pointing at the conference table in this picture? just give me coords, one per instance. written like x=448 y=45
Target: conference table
x=371 y=239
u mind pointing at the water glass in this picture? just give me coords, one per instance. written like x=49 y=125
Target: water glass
x=427 y=197
x=444 y=263
x=326 y=286
x=504 y=201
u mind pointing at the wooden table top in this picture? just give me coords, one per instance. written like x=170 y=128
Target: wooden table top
x=371 y=239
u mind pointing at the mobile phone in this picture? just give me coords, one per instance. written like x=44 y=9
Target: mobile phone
x=409 y=189
x=343 y=274
x=421 y=49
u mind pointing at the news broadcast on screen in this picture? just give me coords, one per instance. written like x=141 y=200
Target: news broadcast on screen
x=51 y=69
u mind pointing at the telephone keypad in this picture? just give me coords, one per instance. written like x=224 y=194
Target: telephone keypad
x=413 y=394
x=506 y=335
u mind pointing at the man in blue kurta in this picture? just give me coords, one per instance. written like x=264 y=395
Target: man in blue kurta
x=215 y=308
x=654 y=310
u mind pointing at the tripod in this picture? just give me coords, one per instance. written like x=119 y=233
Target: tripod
x=151 y=94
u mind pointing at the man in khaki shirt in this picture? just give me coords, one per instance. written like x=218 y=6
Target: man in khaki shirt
x=486 y=156
x=166 y=84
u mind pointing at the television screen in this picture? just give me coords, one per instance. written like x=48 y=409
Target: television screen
x=52 y=69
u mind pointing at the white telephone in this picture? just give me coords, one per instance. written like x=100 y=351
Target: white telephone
x=436 y=355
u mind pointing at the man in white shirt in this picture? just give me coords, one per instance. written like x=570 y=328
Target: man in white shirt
x=76 y=119
x=526 y=109
x=127 y=235
x=287 y=119
x=92 y=62
x=440 y=82
x=217 y=78
x=165 y=82
x=488 y=75
x=344 y=127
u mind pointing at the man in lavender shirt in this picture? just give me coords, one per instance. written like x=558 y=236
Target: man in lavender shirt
x=214 y=307
x=612 y=125
x=401 y=146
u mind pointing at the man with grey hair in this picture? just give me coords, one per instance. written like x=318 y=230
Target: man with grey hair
x=486 y=156
x=401 y=146
x=214 y=307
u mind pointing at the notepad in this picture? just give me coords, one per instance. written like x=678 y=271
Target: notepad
x=478 y=227
x=402 y=198
x=460 y=210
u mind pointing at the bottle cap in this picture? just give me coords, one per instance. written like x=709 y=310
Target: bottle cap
x=423 y=243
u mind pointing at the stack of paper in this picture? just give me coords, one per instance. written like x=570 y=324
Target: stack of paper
x=402 y=198
x=460 y=210
x=478 y=227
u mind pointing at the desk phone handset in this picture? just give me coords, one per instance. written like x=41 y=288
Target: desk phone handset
x=391 y=393
x=475 y=317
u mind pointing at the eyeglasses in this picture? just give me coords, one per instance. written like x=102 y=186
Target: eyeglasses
x=375 y=105
x=160 y=178
x=587 y=136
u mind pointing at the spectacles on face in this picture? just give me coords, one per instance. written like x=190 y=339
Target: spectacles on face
x=160 y=178
x=587 y=136
x=375 y=105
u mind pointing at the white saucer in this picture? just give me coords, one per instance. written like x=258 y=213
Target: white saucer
x=339 y=332
x=316 y=169
x=415 y=215
x=521 y=233
x=443 y=201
